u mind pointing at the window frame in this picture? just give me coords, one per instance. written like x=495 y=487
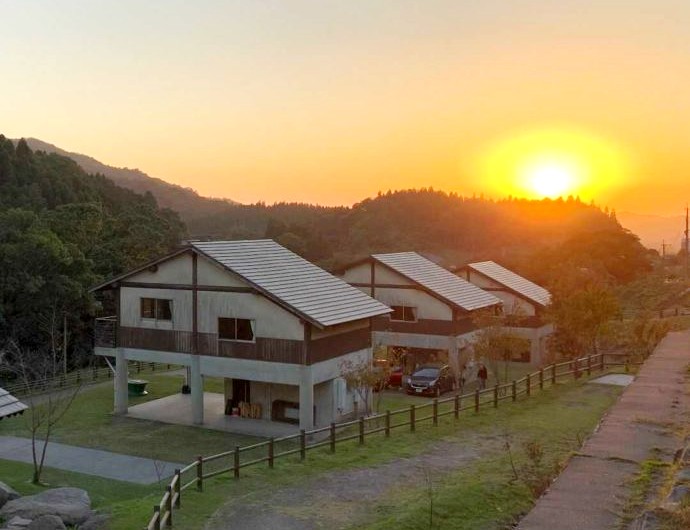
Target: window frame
x=404 y=309
x=251 y=322
x=155 y=309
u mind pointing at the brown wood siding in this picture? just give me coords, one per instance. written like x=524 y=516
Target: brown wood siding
x=337 y=345
x=270 y=350
x=425 y=326
x=155 y=339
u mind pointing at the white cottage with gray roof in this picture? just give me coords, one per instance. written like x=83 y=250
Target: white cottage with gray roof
x=521 y=297
x=275 y=326
x=433 y=308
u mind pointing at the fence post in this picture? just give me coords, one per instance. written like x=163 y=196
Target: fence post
x=576 y=369
x=553 y=374
x=200 y=473
x=332 y=436
x=496 y=395
x=476 y=400
x=514 y=390
x=138 y=366
x=361 y=430
x=387 y=430
x=411 y=418
x=589 y=365
x=236 y=462
x=157 y=516
x=178 y=489
x=541 y=379
x=302 y=444
x=456 y=406
x=355 y=407
x=168 y=505
x=434 y=412
x=627 y=365
x=528 y=381
x=270 y=452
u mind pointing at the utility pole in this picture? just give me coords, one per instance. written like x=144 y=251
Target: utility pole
x=687 y=247
x=64 y=342
x=663 y=250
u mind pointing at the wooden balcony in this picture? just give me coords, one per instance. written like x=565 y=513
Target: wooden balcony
x=109 y=335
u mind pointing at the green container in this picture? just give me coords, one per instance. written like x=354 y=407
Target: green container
x=137 y=387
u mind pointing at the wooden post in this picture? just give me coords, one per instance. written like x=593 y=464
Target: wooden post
x=302 y=444
x=553 y=374
x=496 y=396
x=332 y=436
x=355 y=408
x=236 y=462
x=178 y=489
x=541 y=379
x=476 y=400
x=271 y=450
x=589 y=365
x=168 y=505
x=361 y=430
x=412 y=418
x=157 y=517
x=434 y=412
x=200 y=473
x=387 y=429
x=575 y=369
x=514 y=390
x=456 y=406
x=528 y=382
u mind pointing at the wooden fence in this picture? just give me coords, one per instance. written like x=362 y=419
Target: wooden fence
x=423 y=415
x=83 y=376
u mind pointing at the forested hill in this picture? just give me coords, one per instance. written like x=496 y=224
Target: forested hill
x=61 y=231
x=187 y=202
x=453 y=228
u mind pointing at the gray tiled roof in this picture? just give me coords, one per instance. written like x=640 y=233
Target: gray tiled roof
x=10 y=405
x=292 y=281
x=514 y=282
x=440 y=281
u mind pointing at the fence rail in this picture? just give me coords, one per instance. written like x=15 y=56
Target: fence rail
x=426 y=414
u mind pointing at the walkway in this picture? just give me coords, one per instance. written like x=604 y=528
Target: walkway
x=592 y=490
x=90 y=461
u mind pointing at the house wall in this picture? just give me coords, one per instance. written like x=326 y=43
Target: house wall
x=177 y=270
x=130 y=308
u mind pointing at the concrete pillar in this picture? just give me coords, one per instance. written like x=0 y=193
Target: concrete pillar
x=197 y=383
x=306 y=400
x=120 y=382
x=535 y=353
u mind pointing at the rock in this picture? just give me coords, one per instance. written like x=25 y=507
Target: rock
x=18 y=522
x=684 y=474
x=7 y=494
x=72 y=505
x=96 y=522
x=679 y=493
x=46 y=522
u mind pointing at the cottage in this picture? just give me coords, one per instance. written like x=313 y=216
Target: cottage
x=521 y=297
x=433 y=309
x=275 y=326
x=10 y=405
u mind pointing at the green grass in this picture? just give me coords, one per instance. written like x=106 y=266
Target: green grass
x=475 y=497
x=90 y=423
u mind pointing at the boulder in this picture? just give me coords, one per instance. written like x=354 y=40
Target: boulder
x=95 y=522
x=46 y=522
x=72 y=505
x=18 y=523
x=679 y=493
x=7 y=494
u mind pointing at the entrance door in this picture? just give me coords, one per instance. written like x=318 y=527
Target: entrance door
x=240 y=391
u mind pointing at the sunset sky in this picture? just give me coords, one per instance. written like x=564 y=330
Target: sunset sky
x=331 y=101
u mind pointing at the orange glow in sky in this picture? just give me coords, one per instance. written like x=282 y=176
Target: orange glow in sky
x=330 y=102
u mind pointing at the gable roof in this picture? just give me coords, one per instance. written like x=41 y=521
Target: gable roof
x=10 y=405
x=293 y=282
x=512 y=281
x=439 y=281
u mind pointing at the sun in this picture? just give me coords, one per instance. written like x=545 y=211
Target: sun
x=552 y=162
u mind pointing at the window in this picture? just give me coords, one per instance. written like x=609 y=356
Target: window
x=403 y=313
x=236 y=329
x=157 y=308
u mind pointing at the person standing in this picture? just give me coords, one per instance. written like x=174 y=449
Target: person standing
x=482 y=376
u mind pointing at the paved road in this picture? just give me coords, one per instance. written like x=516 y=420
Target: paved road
x=90 y=461
x=592 y=489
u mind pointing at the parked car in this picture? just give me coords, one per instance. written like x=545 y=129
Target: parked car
x=394 y=374
x=430 y=381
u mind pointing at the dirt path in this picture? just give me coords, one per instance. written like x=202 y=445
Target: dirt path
x=343 y=498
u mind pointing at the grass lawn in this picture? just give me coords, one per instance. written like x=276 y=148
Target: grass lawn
x=475 y=497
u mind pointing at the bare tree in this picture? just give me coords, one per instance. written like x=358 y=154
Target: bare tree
x=364 y=377
x=47 y=399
